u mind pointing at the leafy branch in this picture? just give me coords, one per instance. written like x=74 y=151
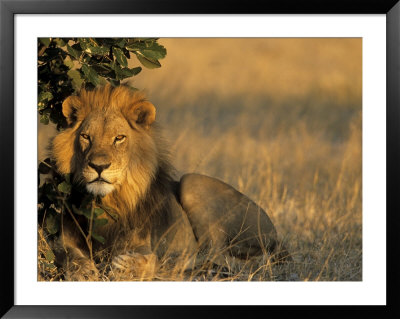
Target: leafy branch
x=65 y=65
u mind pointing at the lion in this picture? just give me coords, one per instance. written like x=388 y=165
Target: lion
x=112 y=147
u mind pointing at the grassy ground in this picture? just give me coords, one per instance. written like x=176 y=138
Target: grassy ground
x=281 y=122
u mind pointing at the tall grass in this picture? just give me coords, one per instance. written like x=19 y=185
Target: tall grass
x=307 y=178
x=280 y=120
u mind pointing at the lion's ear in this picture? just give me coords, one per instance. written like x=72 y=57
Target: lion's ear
x=70 y=108
x=143 y=113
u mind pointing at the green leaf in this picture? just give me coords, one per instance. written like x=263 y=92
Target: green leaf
x=98 y=50
x=98 y=238
x=76 y=78
x=68 y=178
x=44 y=119
x=103 y=81
x=90 y=74
x=60 y=42
x=87 y=212
x=42 y=106
x=149 y=48
x=48 y=265
x=75 y=53
x=50 y=256
x=110 y=211
x=100 y=222
x=142 y=41
x=52 y=225
x=64 y=187
x=83 y=42
x=135 y=71
x=102 y=68
x=91 y=46
x=45 y=96
x=45 y=41
x=127 y=73
x=136 y=46
x=120 y=57
x=139 y=44
x=155 y=55
x=121 y=43
x=148 y=62
x=98 y=211
x=154 y=51
x=124 y=73
x=68 y=62
x=118 y=71
x=82 y=211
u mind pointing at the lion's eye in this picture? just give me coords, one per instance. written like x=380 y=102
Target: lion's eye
x=119 y=138
x=85 y=136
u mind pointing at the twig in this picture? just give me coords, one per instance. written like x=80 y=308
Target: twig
x=325 y=265
x=107 y=212
x=47 y=164
x=89 y=236
x=40 y=53
x=62 y=234
x=74 y=219
x=88 y=242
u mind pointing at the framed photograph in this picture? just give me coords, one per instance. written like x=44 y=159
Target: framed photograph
x=166 y=156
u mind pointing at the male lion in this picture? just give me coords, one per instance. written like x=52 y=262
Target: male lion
x=112 y=148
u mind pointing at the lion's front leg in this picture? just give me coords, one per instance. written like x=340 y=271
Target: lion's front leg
x=71 y=255
x=78 y=267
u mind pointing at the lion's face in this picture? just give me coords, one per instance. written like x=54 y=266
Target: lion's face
x=104 y=143
x=108 y=145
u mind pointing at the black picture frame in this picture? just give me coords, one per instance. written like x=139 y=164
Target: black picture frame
x=9 y=8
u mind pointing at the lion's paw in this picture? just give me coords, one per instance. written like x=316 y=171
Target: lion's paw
x=82 y=270
x=135 y=265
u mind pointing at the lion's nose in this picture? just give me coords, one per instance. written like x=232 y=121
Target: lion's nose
x=99 y=168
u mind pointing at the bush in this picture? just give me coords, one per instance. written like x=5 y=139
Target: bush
x=65 y=65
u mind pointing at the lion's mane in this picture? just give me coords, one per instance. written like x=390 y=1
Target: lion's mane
x=141 y=197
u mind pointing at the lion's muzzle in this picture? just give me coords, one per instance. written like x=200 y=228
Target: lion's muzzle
x=99 y=185
x=99 y=168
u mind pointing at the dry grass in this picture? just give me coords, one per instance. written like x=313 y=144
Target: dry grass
x=280 y=120
x=308 y=180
